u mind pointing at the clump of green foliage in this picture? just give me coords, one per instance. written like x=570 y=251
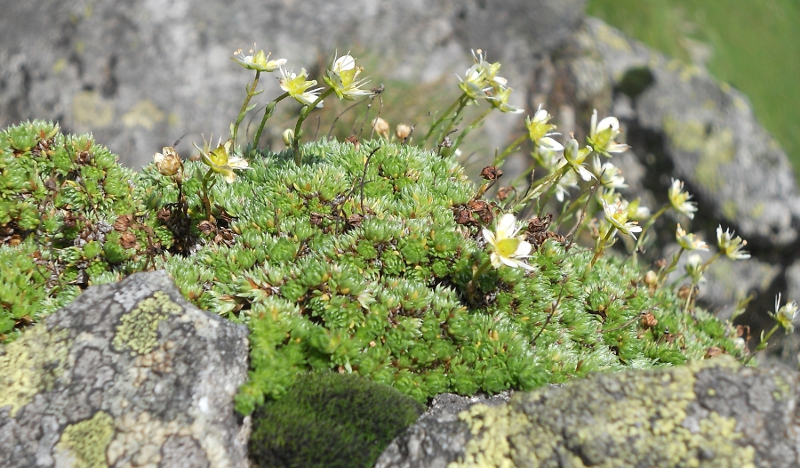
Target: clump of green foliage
x=329 y=420
x=374 y=257
x=61 y=197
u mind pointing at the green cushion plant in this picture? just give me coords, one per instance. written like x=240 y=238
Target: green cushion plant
x=376 y=257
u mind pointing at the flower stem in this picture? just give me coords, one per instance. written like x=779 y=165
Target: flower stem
x=250 y=93
x=206 y=193
x=267 y=114
x=475 y=124
x=663 y=275
x=599 y=249
x=303 y=115
x=763 y=344
x=458 y=102
x=509 y=149
x=647 y=226
x=473 y=284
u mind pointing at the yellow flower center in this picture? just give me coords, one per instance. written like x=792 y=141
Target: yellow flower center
x=507 y=247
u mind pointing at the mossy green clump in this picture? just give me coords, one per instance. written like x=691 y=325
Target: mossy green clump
x=360 y=259
x=85 y=442
x=330 y=420
x=61 y=197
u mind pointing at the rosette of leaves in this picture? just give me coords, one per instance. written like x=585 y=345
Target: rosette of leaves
x=68 y=219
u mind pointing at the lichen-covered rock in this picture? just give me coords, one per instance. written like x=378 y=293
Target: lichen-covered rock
x=438 y=436
x=129 y=374
x=709 y=413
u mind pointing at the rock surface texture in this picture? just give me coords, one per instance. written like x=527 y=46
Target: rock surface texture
x=712 y=413
x=128 y=375
x=141 y=74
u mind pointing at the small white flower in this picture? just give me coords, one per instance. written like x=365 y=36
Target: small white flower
x=539 y=130
x=688 y=241
x=679 y=199
x=601 y=136
x=298 y=87
x=617 y=215
x=610 y=176
x=258 y=61
x=785 y=315
x=343 y=78
x=498 y=97
x=221 y=161
x=694 y=268
x=507 y=247
x=731 y=246
x=575 y=157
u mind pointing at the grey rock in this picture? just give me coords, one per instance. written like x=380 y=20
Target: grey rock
x=129 y=374
x=439 y=436
x=711 y=413
x=140 y=74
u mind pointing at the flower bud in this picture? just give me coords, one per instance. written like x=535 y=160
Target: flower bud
x=381 y=127
x=168 y=163
x=288 y=136
x=402 y=132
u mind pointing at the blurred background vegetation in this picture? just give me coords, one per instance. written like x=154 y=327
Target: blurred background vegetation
x=754 y=45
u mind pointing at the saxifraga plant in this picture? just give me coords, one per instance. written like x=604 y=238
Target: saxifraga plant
x=373 y=257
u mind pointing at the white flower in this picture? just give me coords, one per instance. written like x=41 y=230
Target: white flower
x=343 y=78
x=731 y=246
x=220 y=160
x=539 y=130
x=609 y=174
x=297 y=87
x=636 y=210
x=474 y=83
x=498 y=97
x=688 y=241
x=258 y=61
x=617 y=215
x=785 y=315
x=679 y=199
x=601 y=136
x=507 y=247
x=694 y=268
x=576 y=156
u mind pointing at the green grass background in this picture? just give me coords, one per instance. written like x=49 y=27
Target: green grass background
x=755 y=47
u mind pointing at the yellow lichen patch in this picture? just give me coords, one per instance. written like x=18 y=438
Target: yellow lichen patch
x=143 y=114
x=85 y=443
x=139 y=328
x=715 y=148
x=604 y=428
x=730 y=210
x=91 y=110
x=31 y=365
x=612 y=37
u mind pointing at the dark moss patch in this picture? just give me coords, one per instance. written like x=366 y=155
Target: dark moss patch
x=330 y=420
